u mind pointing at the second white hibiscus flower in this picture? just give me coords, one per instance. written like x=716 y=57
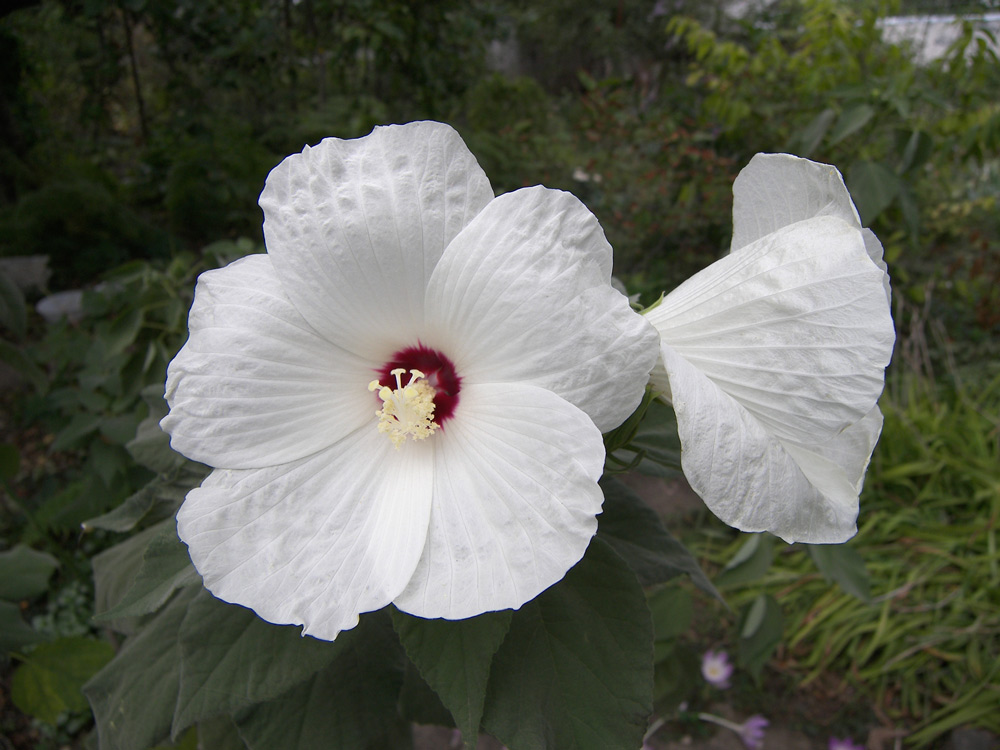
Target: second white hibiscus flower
x=774 y=356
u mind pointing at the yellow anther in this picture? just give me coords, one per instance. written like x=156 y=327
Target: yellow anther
x=407 y=410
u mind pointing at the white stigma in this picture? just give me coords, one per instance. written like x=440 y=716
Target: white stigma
x=407 y=410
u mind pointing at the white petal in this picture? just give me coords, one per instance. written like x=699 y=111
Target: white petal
x=849 y=452
x=515 y=500
x=525 y=293
x=775 y=190
x=255 y=385
x=749 y=478
x=317 y=541
x=355 y=227
x=795 y=327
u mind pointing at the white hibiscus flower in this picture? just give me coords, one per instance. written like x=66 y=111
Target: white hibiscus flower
x=403 y=399
x=774 y=356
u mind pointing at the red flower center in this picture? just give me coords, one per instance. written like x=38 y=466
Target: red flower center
x=438 y=371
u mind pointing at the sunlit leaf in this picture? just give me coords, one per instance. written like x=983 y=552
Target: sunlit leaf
x=52 y=675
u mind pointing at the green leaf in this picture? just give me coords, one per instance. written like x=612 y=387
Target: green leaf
x=761 y=627
x=78 y=428
x=419 y=703
x=15 y=633
x=115 y=570
x=672 y=609
x=918 y=149
x=750 y=562
x=454 y=657
x=151 y=446
x=52 y=675
x=133 y=697
x=119 y=333
x=219 y=734
x=636 y=533
x=622 y=435
x=166 y=567
x=13 y=357
x=13 y=312
x=850 y=122
x=806 y=141
x=25 y=573
x=163 y=494
x=575 y=670
x=843 y=565
x=873 y=188
x=231 y=659
x=346 y=705
x=657 y=440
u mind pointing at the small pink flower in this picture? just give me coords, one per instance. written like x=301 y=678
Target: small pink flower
x=752 y=731
x=716 y=669
x=843 y=744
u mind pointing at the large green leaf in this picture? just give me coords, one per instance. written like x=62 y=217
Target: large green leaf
x=349 y=705
x=115 y=570
x=52 y=675
x=231 y=659
x=454 y=658
x=575 y=671
x=134 y=696
x=166 y=566
x=636 y=533
x=25 y=573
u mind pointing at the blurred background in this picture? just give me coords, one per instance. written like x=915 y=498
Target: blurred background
x=135 y=137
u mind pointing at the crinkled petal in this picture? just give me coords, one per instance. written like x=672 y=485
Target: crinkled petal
x=776 y=190
x=255 y=385
x=355 y=228
x=317 y=541
x=795 y=327
x=524 y=293
x=515 y=500
x=748 y=477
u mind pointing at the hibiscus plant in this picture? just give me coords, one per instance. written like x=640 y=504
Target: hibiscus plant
x=389 y=492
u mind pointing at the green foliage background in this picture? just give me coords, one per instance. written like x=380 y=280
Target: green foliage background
x=135 y=137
